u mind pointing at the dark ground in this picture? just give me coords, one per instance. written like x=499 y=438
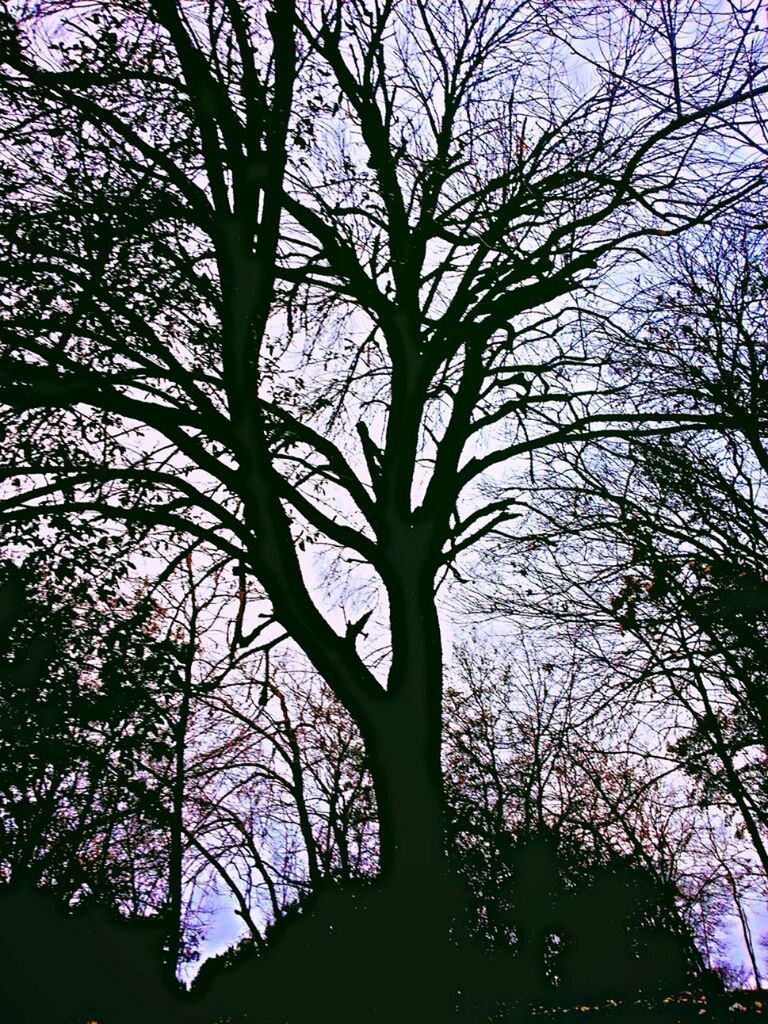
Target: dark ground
x=682 y=1008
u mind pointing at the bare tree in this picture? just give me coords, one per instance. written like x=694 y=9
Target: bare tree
x=309 y=274
x=683 y=520
x=649 y=558
x=279 y=799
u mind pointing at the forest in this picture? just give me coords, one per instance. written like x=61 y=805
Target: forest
x=383 y=514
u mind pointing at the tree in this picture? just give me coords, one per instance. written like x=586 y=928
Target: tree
x=650 y=558
x=278 y=799
x=85 y=692
x=685 y=518
x=714 y=585
x=295 y=279
x=102 y=675
x=534 y=762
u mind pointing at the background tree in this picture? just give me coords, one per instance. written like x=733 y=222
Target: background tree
x=649 y=559
x=84 y=691
x=532 y=757
x=279 y=801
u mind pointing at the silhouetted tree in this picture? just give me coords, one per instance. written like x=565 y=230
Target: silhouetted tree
x=583 y=926
x=293 y=276
x=677 y=524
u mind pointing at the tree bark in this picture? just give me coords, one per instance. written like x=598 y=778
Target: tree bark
x=404 y=762
x=404 y=755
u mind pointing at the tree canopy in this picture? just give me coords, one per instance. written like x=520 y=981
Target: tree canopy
x=308 y=288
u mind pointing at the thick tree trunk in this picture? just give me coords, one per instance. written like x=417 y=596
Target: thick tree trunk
x=404 y=755
x=405 y=748
x=415 y=886
x=405 y=765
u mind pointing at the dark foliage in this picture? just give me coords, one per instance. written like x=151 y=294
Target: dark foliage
x=85 y=696
x=63 y=967
x=342 y=953
x=346 y=953
x=579 y=927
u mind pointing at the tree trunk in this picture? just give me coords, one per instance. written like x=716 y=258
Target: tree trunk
x=407 y=777
x=404 y=751
x=174 y=899
x=415 y=886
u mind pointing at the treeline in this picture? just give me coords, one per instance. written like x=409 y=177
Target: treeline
x=585 y=870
